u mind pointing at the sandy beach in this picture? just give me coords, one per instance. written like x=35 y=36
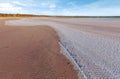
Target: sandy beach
x=93 y=46
x=32 y=53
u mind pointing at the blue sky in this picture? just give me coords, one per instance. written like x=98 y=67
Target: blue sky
x=62 y=7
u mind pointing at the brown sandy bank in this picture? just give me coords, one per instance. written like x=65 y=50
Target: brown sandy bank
x=32 y=53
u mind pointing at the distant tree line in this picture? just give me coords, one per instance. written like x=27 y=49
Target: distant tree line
x=87 y=16
x=30 y=15
x=18 y=15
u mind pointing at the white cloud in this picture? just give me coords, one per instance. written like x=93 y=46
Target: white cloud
x=52 y=6
x=48 y=5
x=5 y=5
x=24 y=3
x=66 y=11
x=19 y=3
x=44 y=4
x=9 y=8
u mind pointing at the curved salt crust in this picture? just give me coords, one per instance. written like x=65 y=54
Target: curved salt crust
x=96 y=55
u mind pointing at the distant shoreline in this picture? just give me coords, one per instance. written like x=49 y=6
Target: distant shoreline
x=52 y=16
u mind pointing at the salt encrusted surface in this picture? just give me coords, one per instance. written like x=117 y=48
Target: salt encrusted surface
x=98 y=56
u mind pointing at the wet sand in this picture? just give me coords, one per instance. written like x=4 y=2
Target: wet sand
x=32 y=53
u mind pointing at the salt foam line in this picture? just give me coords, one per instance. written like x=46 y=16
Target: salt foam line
x=81 y=74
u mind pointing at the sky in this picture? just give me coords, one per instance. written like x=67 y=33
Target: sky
x=62 y=7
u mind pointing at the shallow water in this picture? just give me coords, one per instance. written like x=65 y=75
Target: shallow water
x=113 y=19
